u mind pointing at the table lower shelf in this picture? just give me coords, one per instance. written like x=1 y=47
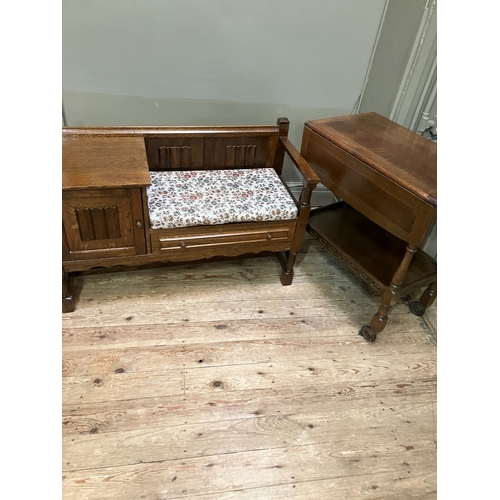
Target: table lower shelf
x=368 y=250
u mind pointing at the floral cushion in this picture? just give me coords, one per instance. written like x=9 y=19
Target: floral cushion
x=208 y=197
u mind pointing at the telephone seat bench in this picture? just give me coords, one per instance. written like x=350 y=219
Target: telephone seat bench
x=136 y=196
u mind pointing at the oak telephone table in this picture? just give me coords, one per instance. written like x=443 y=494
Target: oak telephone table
x=385 y=176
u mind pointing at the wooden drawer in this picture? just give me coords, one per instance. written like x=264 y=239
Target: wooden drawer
x=193 y=243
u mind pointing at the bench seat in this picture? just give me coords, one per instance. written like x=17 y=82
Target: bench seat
x=211 y=197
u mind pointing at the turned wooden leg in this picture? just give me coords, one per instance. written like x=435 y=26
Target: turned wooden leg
x=287 y=260
x=379 y=320
x=68 y=304
x=427 y=298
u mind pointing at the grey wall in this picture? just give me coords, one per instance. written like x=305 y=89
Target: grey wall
x=396 y=39
x=220 y=62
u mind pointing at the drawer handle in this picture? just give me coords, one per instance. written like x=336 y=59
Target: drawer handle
x=269 y=237
x=182 y=244
x=138 y=223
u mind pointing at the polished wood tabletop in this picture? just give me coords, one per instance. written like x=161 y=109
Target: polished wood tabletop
x=396 y=152
x=103 y=162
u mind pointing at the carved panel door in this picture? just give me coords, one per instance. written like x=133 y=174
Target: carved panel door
x=101 y=223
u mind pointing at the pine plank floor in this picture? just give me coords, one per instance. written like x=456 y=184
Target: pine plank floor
x=213 y=381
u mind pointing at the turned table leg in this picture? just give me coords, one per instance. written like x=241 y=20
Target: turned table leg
x=379 y=320
x=427 y=298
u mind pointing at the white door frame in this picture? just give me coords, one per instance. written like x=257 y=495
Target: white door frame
x=417 y=92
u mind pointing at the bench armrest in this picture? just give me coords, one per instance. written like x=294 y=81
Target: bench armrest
x=309 y=181
x=309 y=177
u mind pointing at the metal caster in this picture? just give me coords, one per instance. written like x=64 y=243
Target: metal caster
x=417 y=308
x=367 y=333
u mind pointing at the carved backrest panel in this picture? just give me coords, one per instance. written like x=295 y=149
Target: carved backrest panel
x=166 y=153
x=240 y=156
x=175 y=157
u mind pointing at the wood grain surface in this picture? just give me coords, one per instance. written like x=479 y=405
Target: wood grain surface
x=215 y=382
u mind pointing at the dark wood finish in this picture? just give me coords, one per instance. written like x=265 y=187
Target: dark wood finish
x=68 y=303
x=188 y=131
x=390 y=149
x=224 y=239
x=386 y=176
x=105 y=213
x=102 y=162
x=429 y=295
x=371 y=253
x=209 y=153
x=103 y=222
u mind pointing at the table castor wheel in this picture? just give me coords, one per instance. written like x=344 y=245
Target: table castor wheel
x=417 y=308
x=368 y=333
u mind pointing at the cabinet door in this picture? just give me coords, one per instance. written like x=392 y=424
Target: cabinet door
x=101 y=223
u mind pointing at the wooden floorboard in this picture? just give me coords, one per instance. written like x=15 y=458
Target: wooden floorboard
x=213 y=381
